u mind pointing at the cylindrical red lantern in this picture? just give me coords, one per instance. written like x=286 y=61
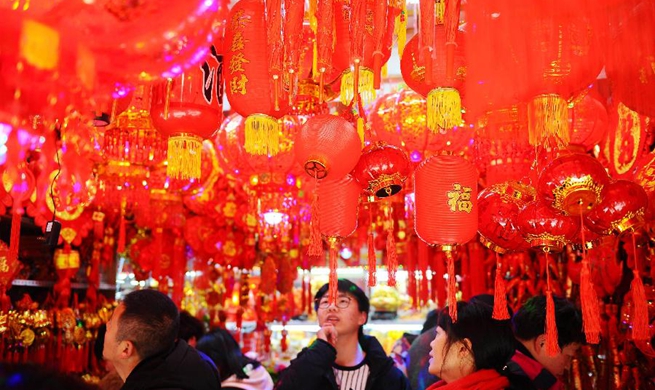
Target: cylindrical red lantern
x=382 y=170
x=622 y=208
x=573 y=183
x=546 y=228
x=499 y=206
x=337 y=206
x=327 y=145
x=446 y=191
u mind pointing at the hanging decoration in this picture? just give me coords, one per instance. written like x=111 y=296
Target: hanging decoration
x=546 y=228
x=382 y=170
x=589 y=123
x=622 y=208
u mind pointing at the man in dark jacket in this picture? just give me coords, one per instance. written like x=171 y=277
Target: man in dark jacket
x=140 y=342
x=342 y=357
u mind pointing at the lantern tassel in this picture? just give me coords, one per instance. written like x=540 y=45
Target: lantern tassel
x=640 y=328
x=452 y=286
x=401 y=29
x=588 y=297
x=315 y=244
x=500 y=295
x=262 y=135
x=552 y=343
x=372 y=281
x=14 y=238
x=392 y=258
x=548 y=121
x=184 y=156
x=360 y=129
x=444 y=109
x=365 y=87
x=333 y=282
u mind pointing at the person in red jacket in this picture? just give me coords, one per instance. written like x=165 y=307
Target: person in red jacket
x=471 y=353
x=531 y=358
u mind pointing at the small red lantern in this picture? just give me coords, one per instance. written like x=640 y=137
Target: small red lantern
x=573 y=183
x=446 y=190
x=327 y=145
x=499 y=206
x=382 y=169
x=622 y=208
x=546 y=228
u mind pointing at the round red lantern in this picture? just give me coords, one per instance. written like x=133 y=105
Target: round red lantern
x=573 y=183
x=443 y=92
x=446 y=190
x=249 y=87
x=382 y=170
x=499 y=206
x=187 y=110
x=327 y=145
x=589 y=123
x=622 y=208
x=546 y=228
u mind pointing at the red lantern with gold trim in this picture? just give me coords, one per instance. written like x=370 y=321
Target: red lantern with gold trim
x=382 y=170
x=573 y=183
x=249 y=87
x=622 y=208
x=189 y=109
x=546 y=228
x=327 y=145
x=499 y=206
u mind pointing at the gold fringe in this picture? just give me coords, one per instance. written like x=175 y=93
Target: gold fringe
x=262 y=135
x=366 y=88
x=184 y=156
x=401 y=29
x=444 y=109
x=548 y=121
x=360 y=129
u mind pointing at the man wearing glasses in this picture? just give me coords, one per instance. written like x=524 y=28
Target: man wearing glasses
x=342 y=357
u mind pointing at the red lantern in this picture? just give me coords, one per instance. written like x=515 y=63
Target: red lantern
x=327 y=145
x=443 y=91
x=248 y=85
x=446 y=190
x=499 y=206
x=382 y=169
x=187 y=110
x=622 y=208
x=589 y=123
x=573 y=183
x=546 y=228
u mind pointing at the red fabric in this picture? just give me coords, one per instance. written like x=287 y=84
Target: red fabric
x=532 y=368
x=479 y=380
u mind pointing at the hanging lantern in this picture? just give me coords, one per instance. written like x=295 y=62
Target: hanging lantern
x=622 y=208
x=249 y=87
x=337 y=213
x=382 y=170
x=232 y=157
x=546 y=228
x=189 y=109
x=573 y=183
x=589 y=123
x=444 y=102
x=327 y=145
x=499 y=206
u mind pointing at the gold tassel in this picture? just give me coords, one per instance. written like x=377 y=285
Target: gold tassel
x=401 y=29
x=365 y=84
x=360 y=129
x=262 y=133
x=184 y=156
x=548 y=121
x=444 y=109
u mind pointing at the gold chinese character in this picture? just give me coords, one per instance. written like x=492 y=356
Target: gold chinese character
x=236 y=63
x=238 y=41
x=460 y=198
x=238 y=84
x=239 y=20
x=4 y=267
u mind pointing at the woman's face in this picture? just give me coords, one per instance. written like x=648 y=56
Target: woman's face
x=446 y=360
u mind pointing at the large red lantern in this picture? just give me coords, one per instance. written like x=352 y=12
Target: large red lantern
x=573 y=183
x=546 y=228
x=499 y=206
x=249 y=88
x=327 y=145
x=622 y=208
x=189 y=109
x=382 y=170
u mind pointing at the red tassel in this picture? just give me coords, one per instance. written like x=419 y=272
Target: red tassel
x=500 y=295
x=392 y=258
x=640 y=329
x=315 y=244
x=333 y=287
x=372 y=261
x=589 y=303
x=452 y=287
x=552 y=345
x=121 y=235
x=14 y=238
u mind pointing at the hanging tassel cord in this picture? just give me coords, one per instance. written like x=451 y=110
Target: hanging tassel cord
x=640 y=328
x=372 y=280
x=333 y=286
x=552 y=343
x=452 y=286
x=588 y=297
x=315 y=248
x=500 y=295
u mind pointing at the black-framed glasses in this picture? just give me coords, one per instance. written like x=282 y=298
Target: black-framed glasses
x=342 y=302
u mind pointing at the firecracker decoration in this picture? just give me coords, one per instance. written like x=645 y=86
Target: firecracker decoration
x=446 y=209
x=572 y=181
